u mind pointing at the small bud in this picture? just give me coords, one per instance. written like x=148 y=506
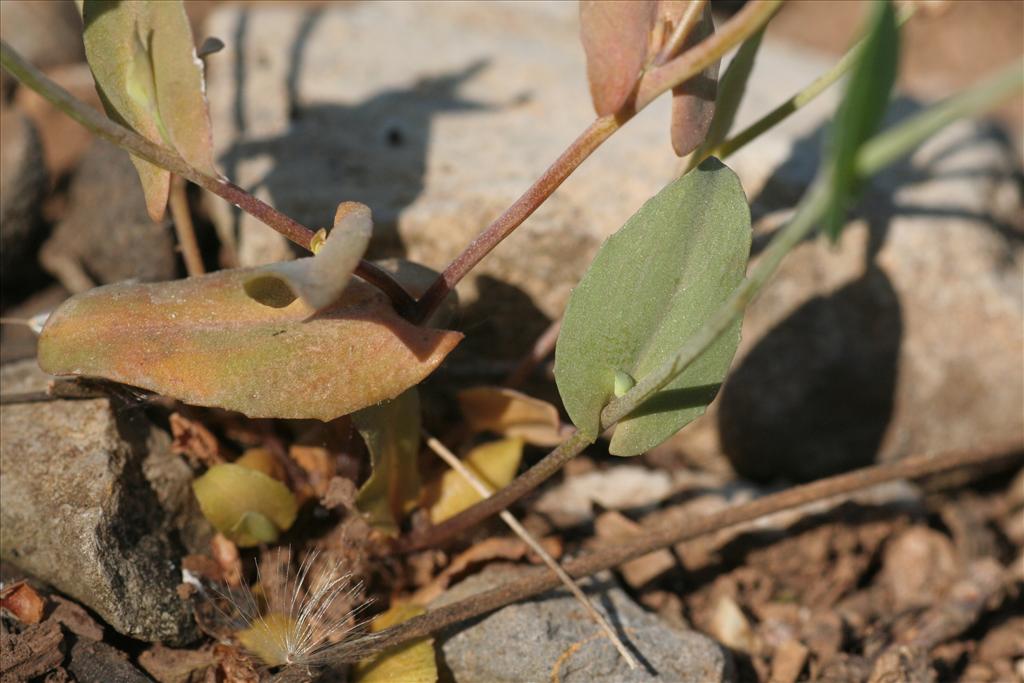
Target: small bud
x=623 y=383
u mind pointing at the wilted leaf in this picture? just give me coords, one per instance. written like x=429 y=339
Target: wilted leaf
x=205 y=341
x=861 y=111
x=193 y=440
x=413 y=662
x=615 y=35
x=510 y=413
x=320 y=279
x=143 y=58
x=391 y=431
x=693 y=102
x=244 y=504
x=494 y=463
x=22 y=600
x=651 y=286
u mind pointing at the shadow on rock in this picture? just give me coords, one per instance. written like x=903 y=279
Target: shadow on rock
x=373 y=151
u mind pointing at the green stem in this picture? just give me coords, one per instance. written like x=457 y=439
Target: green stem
x=127 y=139
x=892 y=144
x=794 y=103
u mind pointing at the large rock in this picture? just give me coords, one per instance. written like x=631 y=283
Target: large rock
x=531 y=640
x=904 y=338
x=439 y=115
x=93 y=504
x=106 y=235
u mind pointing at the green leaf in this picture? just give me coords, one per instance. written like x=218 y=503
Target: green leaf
x=391 y=431
x=204 y=341
x=143 y=59
x=731 y=88
x=651 y=286
x=861 y=111
x=244 y=504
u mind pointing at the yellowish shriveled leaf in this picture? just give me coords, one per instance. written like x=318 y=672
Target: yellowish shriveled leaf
x=318 y=280
x=245 y=504
x=510 y=413
x=391 y=431
x=495 y=463
x=413 y=662
x=615 y=34
x=204 y=341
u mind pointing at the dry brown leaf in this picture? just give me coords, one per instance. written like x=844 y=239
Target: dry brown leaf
x=225 y=554
x=194 y=441
x=318 y=464
x=234 y=666
x=614 y=526
x=22 y=600
x=511 y=413
x=75 y=618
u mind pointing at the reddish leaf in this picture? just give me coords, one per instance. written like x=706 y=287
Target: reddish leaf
x=615 y=35
x=693 y=102
x=205 y=341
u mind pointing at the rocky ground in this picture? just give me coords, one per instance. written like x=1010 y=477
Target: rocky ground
x=903 y=339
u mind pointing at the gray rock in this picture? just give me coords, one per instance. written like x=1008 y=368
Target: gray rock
x=83 y=511
x=96 y=662
x=23 y=182
x=527 y=641
x=107 y=235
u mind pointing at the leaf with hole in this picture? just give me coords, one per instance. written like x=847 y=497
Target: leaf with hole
x=391 y=431
x=319 y=279
x=205 y=341
x=651 y=286
x=861 y=111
